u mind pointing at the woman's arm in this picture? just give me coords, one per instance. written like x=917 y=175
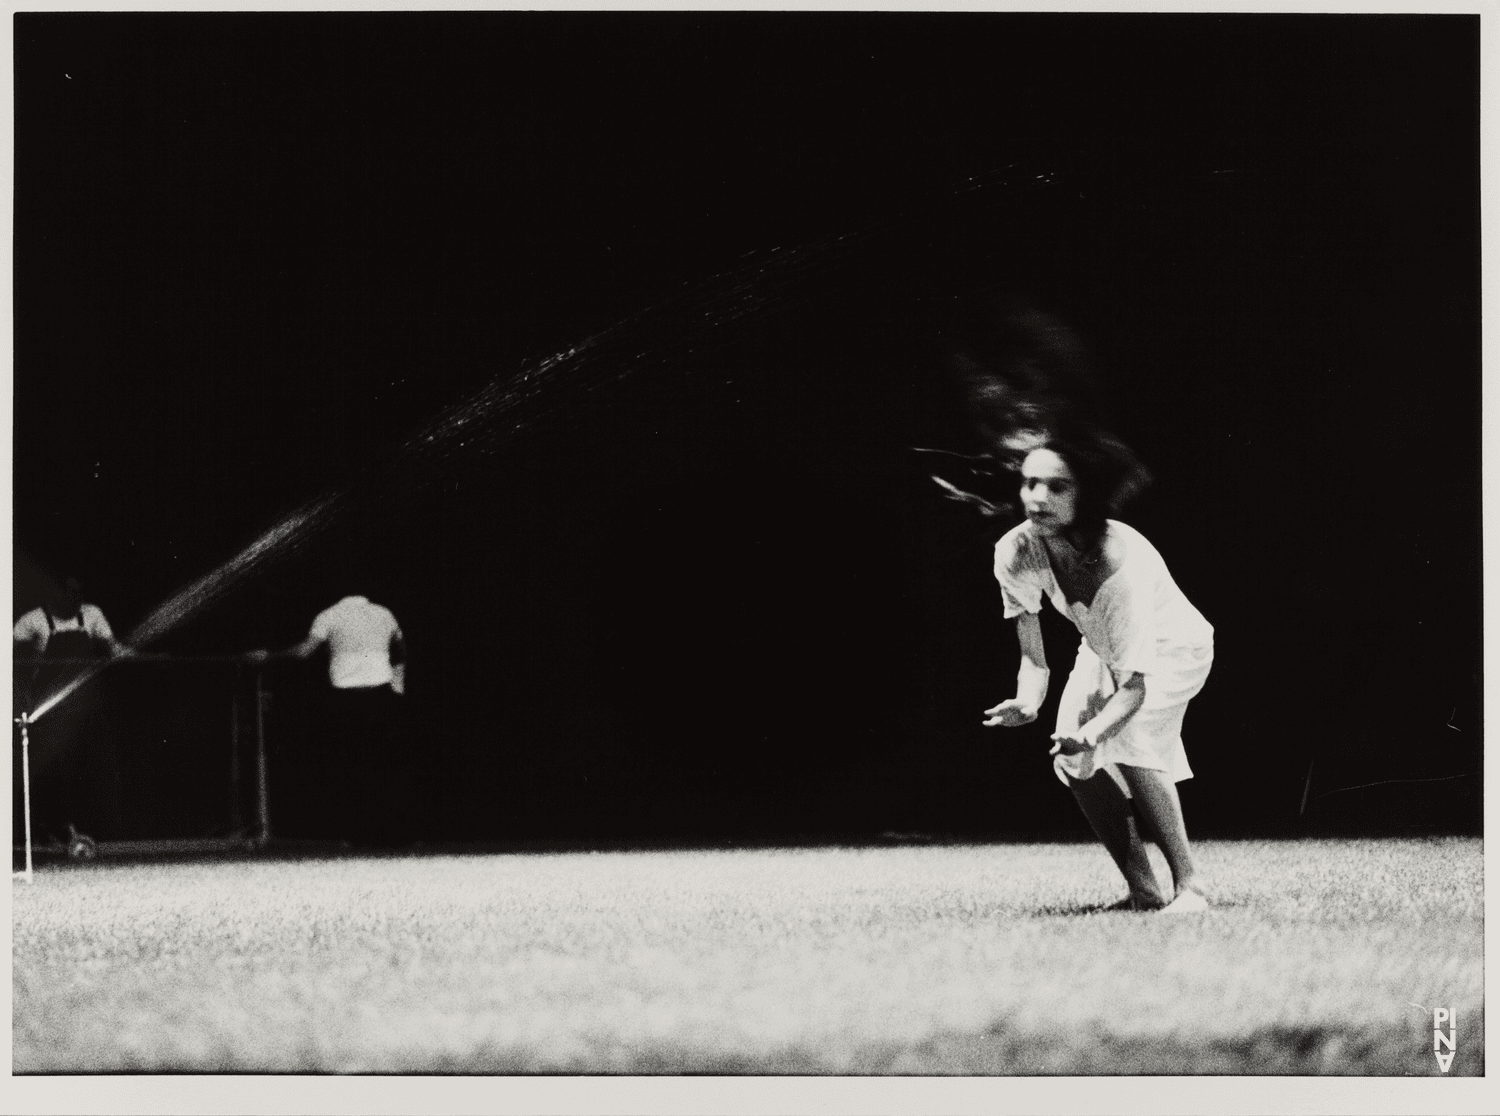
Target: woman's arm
x=1031 y=681
x=1121 y=706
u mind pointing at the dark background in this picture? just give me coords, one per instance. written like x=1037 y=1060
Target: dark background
x=699 y=587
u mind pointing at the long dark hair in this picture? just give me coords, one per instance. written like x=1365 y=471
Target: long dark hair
x=1106 y=473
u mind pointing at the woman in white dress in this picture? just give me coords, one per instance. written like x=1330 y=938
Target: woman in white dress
x=1146 y=651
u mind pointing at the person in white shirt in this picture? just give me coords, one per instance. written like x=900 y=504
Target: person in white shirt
x=365 y=646
x=75 y=771
x=361 y=744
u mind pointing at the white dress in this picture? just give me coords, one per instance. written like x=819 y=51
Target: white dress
x=1138 y=622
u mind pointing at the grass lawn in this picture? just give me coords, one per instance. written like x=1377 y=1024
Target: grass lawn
x=973 y=959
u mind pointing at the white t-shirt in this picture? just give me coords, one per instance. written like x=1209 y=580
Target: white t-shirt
x=359 y=634
x=34 y=628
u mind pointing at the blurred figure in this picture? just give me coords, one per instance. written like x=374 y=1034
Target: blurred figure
x=75 y=770
x=363 y=745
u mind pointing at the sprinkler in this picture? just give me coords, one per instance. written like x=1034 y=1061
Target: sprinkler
x=24 y=720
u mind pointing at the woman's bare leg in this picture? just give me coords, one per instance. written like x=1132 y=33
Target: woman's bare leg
x=1156 y=798
x=1109 y=812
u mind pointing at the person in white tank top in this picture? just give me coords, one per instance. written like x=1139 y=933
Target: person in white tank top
x=1146 y=651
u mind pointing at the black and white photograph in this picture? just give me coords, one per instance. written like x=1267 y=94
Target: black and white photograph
x=888 y=548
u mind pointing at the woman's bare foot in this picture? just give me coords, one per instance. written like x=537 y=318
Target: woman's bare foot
x=1189 y=901
x=1137 y=903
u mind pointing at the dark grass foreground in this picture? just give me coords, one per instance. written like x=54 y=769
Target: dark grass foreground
x=1321 y=957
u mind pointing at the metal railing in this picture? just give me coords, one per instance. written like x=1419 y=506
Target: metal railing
x=164 y=722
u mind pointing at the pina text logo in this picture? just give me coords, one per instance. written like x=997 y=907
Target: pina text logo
x=1441 y=1016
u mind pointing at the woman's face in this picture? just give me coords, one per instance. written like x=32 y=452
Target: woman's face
x=1048 y=491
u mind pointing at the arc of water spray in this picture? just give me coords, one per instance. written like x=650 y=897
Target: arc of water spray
x=722 y=298
x=295 y=528
x=198 y=594
x=496 y=398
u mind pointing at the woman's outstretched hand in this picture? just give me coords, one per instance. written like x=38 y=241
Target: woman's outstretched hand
x=1009 y=714
x=1071 y=743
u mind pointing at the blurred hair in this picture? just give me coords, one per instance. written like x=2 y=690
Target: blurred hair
x=1023 y=371
x=1028 y=384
